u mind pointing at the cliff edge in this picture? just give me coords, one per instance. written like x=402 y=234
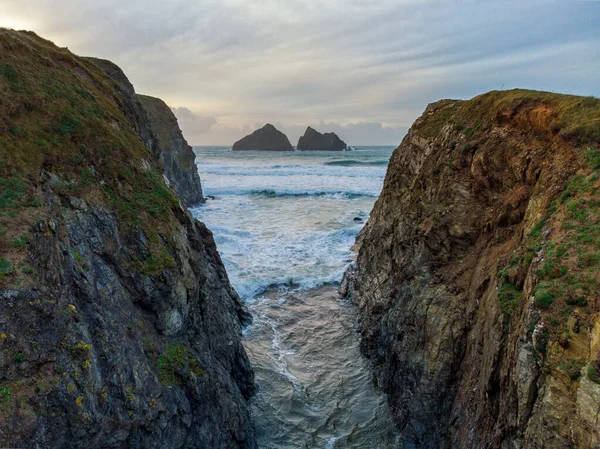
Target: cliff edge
x=174 y=153
x=476 y=278
x=118 y=324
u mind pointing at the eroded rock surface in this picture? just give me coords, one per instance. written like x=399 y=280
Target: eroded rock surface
x=476 y=275
x=174 y=153
x=118 y=324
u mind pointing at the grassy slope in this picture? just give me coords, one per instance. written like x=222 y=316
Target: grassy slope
x=566 y=240
x=59 y=115
x=575 y=118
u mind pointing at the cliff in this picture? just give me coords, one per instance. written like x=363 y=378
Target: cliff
x=118 y=324
x=476 y=277
x=174 y=153
x=267 y=138
x=313 y=140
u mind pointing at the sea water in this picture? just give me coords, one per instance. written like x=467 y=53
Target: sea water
x=284 y=224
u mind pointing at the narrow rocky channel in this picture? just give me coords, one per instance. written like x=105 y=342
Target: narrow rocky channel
x=284 y=224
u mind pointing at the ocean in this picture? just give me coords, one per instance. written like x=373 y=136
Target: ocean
x=284 y=224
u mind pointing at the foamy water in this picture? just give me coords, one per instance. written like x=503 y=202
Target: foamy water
x=284 y=223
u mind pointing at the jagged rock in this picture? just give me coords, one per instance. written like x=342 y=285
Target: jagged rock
x=267 y=138
x=177 y=157
x=313 y=140
x=457 y=279
x=118 y=324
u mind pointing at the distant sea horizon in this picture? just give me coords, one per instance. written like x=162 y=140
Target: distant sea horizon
x=353 y=146
x=284 y=223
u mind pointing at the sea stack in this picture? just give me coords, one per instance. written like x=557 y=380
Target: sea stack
x=313 y=140
x=267 y=138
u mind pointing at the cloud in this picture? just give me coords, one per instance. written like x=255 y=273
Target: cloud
x=368 y=67
x=355 y=134
x=205 y=130
x=194 y=126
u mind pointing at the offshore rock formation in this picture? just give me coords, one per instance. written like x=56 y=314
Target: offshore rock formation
x=118 y=324
x=174 y=153
x=313 y=140
x=476 y=277
x=267 y=138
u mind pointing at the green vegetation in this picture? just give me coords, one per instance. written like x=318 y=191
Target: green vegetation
x=9 y=73
x=6 y=268
x=551 y=269
x=470 y=132
x=69 y=122
x=12 y=191
x=567 y=238
x=572 y=368
x=153 y=197
x=175 y=364
x=544 y=298
x=81 y=261
x=154 y=264
x=509 y=297
x=19 y=357
x=63 y=118
x=68 y=126
x=593 y=371
x=593 y=158
x=5 y=395
x=574 y=118
x=19 y=242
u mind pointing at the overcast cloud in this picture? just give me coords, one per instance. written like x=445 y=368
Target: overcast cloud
x=364 y=69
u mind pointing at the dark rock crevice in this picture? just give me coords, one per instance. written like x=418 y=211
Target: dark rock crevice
x=446 y=274
x=118 y=324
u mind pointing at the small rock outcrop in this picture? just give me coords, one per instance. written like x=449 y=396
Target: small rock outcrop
x=476 y=278
x=174 y=153
x=313 y=140
x=267 y=138
x=118 y=324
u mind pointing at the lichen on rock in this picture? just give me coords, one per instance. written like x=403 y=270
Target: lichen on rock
x=476 y=274
x=104 y=272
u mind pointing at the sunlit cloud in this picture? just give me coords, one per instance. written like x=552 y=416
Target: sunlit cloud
x=234 y=64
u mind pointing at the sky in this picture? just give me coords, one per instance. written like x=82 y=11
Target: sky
x=365 y=69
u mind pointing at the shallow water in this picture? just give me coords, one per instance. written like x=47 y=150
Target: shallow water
x=284 y=224
x=315 y=388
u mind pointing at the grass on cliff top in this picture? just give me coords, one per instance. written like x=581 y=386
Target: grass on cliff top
x=573 y=117
x=60 y=115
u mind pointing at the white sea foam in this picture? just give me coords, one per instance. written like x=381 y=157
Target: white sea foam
x=285 y=223
x=287 y=218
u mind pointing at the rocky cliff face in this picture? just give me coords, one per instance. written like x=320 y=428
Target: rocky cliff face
x=174 y=153
x=476 y=278
x=313 y=140
x=118 y=324
x=267 y=138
